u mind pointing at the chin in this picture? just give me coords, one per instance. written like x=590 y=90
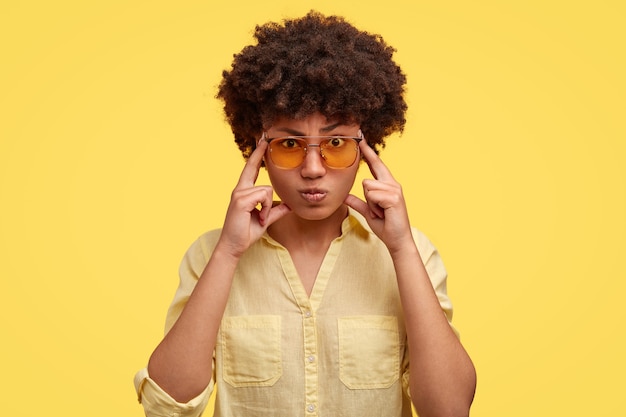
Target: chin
x=316 y=213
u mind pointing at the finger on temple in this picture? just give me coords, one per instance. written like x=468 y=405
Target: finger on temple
x=250 y=171
x=378 y=169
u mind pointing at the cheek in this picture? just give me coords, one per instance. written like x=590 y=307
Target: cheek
x=279 y=181
x=284 y=184
x=346 y=180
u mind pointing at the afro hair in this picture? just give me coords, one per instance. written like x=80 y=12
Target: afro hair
x=311 y=64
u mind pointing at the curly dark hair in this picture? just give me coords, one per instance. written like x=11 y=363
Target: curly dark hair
x=315 y=63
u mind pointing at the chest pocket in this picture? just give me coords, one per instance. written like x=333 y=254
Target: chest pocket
x=251 y=350
x=369 y=351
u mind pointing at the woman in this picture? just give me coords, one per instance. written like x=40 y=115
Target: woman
x=321 y=304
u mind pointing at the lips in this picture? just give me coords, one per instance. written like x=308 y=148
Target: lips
x=313 y=195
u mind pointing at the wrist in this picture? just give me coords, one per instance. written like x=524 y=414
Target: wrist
x=227 y=252
x=403 y=248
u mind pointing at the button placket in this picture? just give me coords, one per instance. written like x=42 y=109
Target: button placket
x=310 y=365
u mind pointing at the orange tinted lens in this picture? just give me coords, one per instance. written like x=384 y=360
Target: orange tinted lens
x=287 y=152
x=339 y=152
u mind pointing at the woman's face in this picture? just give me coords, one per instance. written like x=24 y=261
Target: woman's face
x=313 y=190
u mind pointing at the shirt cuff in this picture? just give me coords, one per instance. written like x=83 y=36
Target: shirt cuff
x=158 y=403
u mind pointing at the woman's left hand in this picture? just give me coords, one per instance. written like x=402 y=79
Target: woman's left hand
x=384 y=207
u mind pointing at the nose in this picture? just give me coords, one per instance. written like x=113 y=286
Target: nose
x=313 y=164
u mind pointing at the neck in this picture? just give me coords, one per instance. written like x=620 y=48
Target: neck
x=292 y=231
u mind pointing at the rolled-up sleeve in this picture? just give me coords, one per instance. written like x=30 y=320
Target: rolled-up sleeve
x=438 y=278
x=155 y=401
x=158 y=403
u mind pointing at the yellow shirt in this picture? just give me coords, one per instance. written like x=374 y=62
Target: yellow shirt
x=340 y=352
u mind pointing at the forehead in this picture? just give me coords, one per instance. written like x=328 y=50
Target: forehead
x=314 y=122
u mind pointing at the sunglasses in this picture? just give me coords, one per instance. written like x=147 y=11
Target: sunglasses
x=288 y=152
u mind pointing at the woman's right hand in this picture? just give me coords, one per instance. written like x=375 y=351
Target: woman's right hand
x=245 y=223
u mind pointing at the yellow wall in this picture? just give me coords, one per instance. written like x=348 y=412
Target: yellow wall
x=114 y=156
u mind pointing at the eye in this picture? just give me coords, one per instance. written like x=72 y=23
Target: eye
x=289 y=143
x=336 y=142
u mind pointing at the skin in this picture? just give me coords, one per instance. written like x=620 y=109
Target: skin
x=315 y=201
x=314 y=193
x=443 y=378
x=313 y=174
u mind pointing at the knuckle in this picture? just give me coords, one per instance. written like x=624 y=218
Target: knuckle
x=396 y=199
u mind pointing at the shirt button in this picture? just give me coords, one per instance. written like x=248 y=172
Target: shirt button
x=307 y=314
x=311 y=358
x=310 y=408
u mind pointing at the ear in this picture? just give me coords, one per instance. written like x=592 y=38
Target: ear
x=263 y=136
x=360 y=135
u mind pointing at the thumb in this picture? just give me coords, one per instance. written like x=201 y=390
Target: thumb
x=276 y=213
x=357 y=204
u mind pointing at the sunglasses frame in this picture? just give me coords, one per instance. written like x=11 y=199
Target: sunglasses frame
x=357 y=139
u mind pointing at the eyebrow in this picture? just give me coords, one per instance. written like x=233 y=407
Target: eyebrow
x=294 y=132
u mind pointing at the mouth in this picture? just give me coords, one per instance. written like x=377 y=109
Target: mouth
x=313 y=195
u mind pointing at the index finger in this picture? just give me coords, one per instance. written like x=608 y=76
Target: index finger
x=378 y=169
x=250 y=171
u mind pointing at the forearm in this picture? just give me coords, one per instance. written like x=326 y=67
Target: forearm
x=442 y=376
x=182 y=363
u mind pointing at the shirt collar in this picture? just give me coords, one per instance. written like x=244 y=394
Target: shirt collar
x=354 y=221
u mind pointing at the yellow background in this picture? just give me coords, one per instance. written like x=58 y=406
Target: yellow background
x=114 y=157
